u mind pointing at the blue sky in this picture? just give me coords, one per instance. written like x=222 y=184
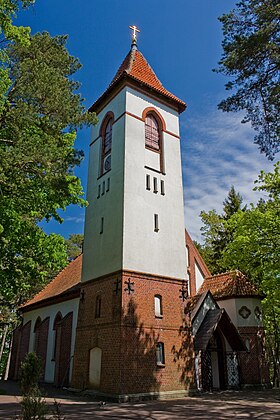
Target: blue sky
x=181 y=40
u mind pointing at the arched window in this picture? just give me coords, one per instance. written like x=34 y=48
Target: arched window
x=158 y=306
x=106 y=134
x=57 y=320
x=160 y=354
x=98 y=306
x=152 y=133
x=107 y=142
x=36 y=332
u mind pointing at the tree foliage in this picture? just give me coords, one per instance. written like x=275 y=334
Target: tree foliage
x=10 y=32
x=74 y=245
x=251 y=58
x=248 y=239
x=8 y=10
x=255 y=250
x=217 y=232
x=41 y=112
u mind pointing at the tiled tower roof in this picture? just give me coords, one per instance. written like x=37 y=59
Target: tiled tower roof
x=136 y=69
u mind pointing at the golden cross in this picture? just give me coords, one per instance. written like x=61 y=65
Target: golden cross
x=135 y=29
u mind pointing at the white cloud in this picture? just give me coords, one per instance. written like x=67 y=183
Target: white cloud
x=75 y=219
x=217 y=152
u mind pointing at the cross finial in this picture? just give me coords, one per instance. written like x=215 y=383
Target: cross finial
x=134 y=36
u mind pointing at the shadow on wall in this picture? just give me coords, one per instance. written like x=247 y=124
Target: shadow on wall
x=139 y=370
x=184 y=355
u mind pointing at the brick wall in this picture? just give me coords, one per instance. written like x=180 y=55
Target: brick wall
x=194 y=257
x=253 y=364
x=127 y=333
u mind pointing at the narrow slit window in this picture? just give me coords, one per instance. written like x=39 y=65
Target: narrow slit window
x=156 y=225
x=162 y=187
x=103 y=187
x=158 y=306
x=108 y=185
x=148 y=182
x=98 y=307
x=155 y=185
x=160 y=354
x=99 y=188
x=102 y=225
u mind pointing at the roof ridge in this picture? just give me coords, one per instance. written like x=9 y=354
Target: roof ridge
x=224 y=273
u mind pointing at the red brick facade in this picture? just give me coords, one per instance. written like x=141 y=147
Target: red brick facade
x=128 y=331
x=194 y=257
x=253 y=364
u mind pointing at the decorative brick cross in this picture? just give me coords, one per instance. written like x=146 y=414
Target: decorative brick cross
x=129 y=287
x=184 y=293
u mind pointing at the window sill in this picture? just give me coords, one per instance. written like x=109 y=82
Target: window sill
x=159 y=316
x=161 y=365
x=105 y=173
x=154 y=170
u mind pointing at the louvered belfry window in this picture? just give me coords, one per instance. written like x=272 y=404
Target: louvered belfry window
x=152 y=133
x=107 y=145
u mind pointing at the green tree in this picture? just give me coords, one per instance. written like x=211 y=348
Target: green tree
x=251 y=59
x=74 y=245
x=255 y=250
x=37 y=133
x=217 y=232
x=10 y=32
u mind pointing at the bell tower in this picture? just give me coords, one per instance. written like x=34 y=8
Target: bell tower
x=135 y=217
x=134 y=260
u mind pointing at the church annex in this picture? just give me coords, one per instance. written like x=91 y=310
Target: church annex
x=139 y=314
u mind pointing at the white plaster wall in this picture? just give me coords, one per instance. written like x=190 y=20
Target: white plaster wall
x=199 y=279
x=51 y=311
x=152 y=159
x=128 y=240
x=103 y=252
x=163 y=252
x=232 y=306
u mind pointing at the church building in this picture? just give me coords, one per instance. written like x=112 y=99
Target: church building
x=138 y=314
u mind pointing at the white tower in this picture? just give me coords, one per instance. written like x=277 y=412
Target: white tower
x=135 y=217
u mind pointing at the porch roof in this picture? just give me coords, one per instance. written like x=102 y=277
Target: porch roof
x=218 y=319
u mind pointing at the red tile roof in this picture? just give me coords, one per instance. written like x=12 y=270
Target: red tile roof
x=136 y=67
x=231 y=284
x=66 y=281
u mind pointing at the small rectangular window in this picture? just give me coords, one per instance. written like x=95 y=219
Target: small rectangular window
x=162 y=188
x=160 y=354
x=103 y=187
x=156 y=228
x=148 y=182
x=98 y=195
x=108 y=185
x=98 y=307
x=102 y=225
x=158 y=306
x=155 y=185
